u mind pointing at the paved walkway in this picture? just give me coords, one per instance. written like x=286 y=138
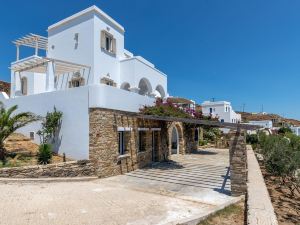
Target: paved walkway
x=190 y=187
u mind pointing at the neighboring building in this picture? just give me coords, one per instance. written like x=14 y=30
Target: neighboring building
x=267 y=124
x=5 y=87
x=85 y=67
x=296 y=130
x=183 y=102
x=221 y=110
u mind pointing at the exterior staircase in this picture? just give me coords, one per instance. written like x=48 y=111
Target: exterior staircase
x=20 y=144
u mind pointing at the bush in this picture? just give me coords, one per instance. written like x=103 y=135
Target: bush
x=284 y=130
x=45 y=154
x=202 y=143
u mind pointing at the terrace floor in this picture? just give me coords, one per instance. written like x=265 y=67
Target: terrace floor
x=190 y=186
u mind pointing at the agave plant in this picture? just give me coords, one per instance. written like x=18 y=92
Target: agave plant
x=10 y=122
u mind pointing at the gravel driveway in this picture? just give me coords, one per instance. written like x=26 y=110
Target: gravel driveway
x=190 y=186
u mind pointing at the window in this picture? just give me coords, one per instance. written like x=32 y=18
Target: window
x=142 y=141
x=31 y=135
x=210 y=110
x=222 y=120
x=76 y=81
x=121 y=142
x=108 y=42
x=24 y=85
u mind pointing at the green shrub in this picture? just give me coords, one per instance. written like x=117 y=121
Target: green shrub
x=284 y=130
x=252 y=139
x=45 y=154
x=202 y=142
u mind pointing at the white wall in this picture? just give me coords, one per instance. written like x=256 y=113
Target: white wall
x=114 y=98
x=133 y=70
x=75 y=124
x=105 y=63
x=75 y=104
x=62 y=39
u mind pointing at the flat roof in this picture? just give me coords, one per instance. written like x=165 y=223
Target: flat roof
x=83 y=12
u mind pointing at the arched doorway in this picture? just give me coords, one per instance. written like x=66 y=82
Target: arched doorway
x=174 y=141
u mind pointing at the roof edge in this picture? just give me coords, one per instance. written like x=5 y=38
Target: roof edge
x=90 y=9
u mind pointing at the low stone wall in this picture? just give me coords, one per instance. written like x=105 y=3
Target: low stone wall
x=259 y=205
x=68 y=169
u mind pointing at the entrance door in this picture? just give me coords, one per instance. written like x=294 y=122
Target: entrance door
x=155 y=146
x=174 y=141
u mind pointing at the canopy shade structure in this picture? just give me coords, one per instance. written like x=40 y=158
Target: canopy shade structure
x=33 y=41
x=39 y=65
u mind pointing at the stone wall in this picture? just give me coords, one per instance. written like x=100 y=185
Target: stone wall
x=104 y=146
x=67 y=169
x=238 y=163
x=105 y=125
x=5 y=87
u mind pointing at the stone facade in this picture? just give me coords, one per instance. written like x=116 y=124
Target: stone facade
x=238 y=163
x=68 y=169
x=105 y=128
x=5 y=87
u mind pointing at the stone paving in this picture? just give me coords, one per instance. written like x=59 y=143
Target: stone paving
x=189 y=187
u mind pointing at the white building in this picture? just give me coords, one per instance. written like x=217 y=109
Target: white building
x=83 y=64
x=267 y=124
x=296 y=130
x=221 y=110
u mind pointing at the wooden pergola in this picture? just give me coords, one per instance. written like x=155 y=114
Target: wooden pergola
x=33 y=41
x=40 y=65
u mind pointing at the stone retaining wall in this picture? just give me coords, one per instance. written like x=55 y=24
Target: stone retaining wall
x=68 y=169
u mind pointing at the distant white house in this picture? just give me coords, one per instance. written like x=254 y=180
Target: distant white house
x=296 y=130
x=221 y=110
x=267 y=124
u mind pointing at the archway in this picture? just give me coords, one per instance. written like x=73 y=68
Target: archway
x=159 y=92
x=145 y=87
x=176 y=140
x=125 y=86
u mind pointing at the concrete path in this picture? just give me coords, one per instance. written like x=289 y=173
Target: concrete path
x=190 y=187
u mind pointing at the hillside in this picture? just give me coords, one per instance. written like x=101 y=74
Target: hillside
x=274 y=117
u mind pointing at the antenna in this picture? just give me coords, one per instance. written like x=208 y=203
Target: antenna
x=212 y=99
x=244 y=105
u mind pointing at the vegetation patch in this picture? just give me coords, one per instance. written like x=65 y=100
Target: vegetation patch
x=233 y=214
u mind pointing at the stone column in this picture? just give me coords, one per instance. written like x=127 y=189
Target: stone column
x=238 y=163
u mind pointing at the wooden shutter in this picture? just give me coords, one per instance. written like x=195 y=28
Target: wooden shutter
x=102 y=39
x=114 y=47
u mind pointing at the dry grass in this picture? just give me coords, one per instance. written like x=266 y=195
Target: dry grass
x=233 y=214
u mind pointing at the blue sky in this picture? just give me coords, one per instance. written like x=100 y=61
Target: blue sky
x=247 y=52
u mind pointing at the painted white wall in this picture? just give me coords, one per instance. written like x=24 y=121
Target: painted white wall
x=62 y=45
x=221 y=109
x=75 y=124
x=263 y=123
x=134 y=69
x=296 y=130
x=75 y=104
